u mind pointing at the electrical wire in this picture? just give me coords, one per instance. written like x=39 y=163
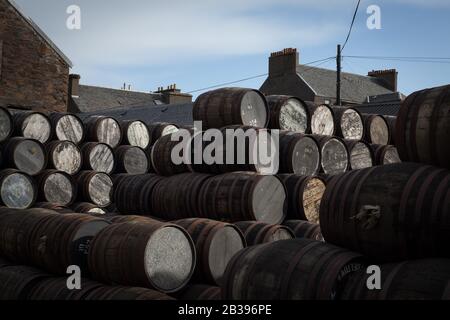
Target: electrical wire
x=321 y=61
x=351 y=25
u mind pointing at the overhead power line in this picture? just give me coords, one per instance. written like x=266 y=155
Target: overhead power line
x=321 y=61
x=441 y=60
x=351 y=25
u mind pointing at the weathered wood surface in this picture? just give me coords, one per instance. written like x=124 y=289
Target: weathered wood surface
x=131 y=160
x=384 y=155
x=26 y=155
x=17 y=189
x=161 y=156
x=231 y=106
x=322 y=121
x=103 y=129
x=64 y=156
x=334 y=155
x=304 y=194
x=95 y=187
x=98 y=157
x=423 y=127
x=349 y=123
x=298 y=154
x=32 y=125
x=288 y=113
x=56 y=187
x=67 y=127
x=136 y=133
x=216 y=243
x=377 y=129
x=161 y=129
x=148 y=254
x=361 y=155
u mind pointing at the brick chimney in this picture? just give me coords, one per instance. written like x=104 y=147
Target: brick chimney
x=74 y=84
x=172 y=95
x=389 y=78
x=283 y=62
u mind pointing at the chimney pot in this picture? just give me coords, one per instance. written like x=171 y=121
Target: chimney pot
x=74 y=85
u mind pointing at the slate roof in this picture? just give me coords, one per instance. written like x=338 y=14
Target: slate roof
x=40 y=33
x=179 y=114
x=92 y=99
x=354 y=88
x=386 y=109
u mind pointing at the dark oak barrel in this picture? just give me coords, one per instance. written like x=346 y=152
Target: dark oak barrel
x=385 y=154
x=67 y=127
x=377 y=129
x=243 y=196
x=135 y=133
x=17 y=189
x=411 y=280
x=299 y=154
x=161 y=129
x=56 y=187
x=304 y=194
x=103 y=129
x=27 y=155
x=423 y=127
x=63 y=240
x=234 y=148
x=95 y=187
x=98 y=157
x=32 y=125
x=299 y=269
x=389 y=213
x=48 y=240
x=200 y=292
x=231 y=106
x=259 y=232
x=305 y=229
x=149 y=254
x=333 y=154
x=131 y=160
x=392 y=124
x=86 y=207
x=64 y=156
x=177 y=197
x=322 y=121
x=349 y=123
x=161 y=154
x=17 y=281
x=216 y=243
x=133 y=193
x=16 y=228
x=360 y=153
x=6 y=124
x=288 y=113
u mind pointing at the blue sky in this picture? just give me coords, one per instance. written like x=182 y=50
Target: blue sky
x=199 y=43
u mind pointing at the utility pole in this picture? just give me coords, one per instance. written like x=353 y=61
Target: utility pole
x=338 y=74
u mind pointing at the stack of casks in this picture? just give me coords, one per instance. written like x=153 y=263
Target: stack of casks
x=385 y=228
x=230 y=225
